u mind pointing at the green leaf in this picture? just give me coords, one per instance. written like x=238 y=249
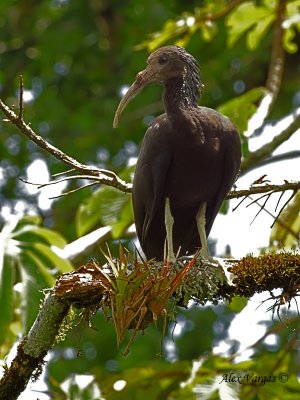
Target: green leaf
x=52 y=259
x=256 y=34
x=35 y=277
x=29 y=220
x=280 y=236
x=241 y=108
x=6 y=296
x=125 y=219
x=169 y=30
x=237 y=304
x=208 y=30
x=102 y=208
x=288 y=37
x=52 y=237
x=39 y=269
x=242 y=18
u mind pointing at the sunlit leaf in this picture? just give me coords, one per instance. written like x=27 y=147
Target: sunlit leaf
x=52 y=260
x=6 y=296
x=208 y=30
x=244 y=17
x=241 y=108
x=36 y=268
x=49 y=235
x=35 y=277
x=237 y=304
x=285 y=232
x=125 y=219
x=256 y=34
x=103 y=208
x=289 y=45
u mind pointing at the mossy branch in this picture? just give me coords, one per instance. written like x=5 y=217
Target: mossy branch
x=32 y=350
x=149 y=290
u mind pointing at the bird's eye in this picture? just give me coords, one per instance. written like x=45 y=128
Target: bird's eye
x=162 y=60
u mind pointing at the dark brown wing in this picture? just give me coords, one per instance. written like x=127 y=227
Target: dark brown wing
x=148 y=192
x=231 y=160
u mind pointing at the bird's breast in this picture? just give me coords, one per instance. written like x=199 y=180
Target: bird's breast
x=195 y=171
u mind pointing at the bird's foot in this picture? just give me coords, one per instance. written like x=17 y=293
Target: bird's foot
x=171 y=259
x=206 y=258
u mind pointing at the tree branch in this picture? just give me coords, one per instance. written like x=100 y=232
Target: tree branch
x=259 y=155
x=277 y=55
x=235 y=194
x=101 y=175
x=289 y=155
x=32 y=350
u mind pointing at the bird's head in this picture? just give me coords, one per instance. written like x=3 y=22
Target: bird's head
x=165 y=65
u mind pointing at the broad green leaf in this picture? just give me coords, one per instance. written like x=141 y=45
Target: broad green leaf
x=29 y=220
x=35 y=277
x=256 y=34
x=237 y=304
x=242 y=18
x=52 y=259
x=86 y=217
x=101 y=209
x=241 y=108
x=125 y=219
x=49 y=235
x=6 y=296
x=293 y=8
x=42 y=269
x=286 y=233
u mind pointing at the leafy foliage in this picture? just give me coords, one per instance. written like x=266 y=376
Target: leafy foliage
x=28 y=261
x=241 y=108
x=106 y=207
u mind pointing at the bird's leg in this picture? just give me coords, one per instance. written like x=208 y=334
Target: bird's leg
x=169 y=221
x=200 y=218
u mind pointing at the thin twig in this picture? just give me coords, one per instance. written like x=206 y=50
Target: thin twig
x=283 y=207
x=235 y=194
x=54 y=182
x=73 y=191
x=261 y=208
x=280 y=221
x=68 y=171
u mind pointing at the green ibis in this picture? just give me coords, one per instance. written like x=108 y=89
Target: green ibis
x=188 y=162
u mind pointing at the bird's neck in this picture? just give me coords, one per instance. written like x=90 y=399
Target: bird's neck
x=178 y=97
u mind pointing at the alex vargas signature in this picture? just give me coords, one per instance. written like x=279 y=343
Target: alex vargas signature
x=253 y=378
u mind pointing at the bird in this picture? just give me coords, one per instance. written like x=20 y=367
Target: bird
x=189 y=160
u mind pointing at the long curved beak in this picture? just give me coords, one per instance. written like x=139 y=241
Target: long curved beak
x=143 y=79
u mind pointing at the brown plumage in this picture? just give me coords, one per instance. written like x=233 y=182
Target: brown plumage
x=190 y=155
